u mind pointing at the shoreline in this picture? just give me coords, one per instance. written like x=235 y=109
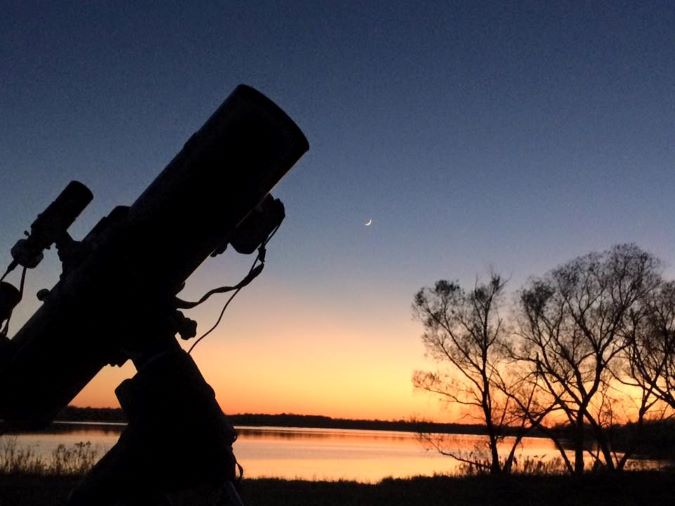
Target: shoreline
x=115 y=417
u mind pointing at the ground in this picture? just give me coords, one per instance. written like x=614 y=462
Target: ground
x=635 y=488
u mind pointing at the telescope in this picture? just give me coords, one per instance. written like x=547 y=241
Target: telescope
x=117 y=297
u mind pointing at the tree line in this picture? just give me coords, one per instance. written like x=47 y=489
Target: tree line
x=579 y=351
x=117 y=416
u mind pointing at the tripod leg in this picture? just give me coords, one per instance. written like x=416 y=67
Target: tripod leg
x=229 y=496
x=113 y=478
x=177 y=437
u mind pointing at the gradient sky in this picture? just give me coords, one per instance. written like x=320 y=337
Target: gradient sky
x=511 y=135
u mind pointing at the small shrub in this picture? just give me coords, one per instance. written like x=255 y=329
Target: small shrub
x=18 y=459
x=76 y=459
x=538 y=466
x=64 y=460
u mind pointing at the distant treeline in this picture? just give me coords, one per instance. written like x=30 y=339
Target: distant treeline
x=326 y=422
x=103 y=415
x=116 y=415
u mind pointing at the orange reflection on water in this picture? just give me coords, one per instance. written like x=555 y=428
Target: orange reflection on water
x=366 y=456
x=320 y=454
x=317 y=454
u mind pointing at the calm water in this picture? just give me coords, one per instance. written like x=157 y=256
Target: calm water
x=311 y=454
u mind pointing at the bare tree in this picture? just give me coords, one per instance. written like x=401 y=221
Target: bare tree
x=465 y=332
x=651 y=346
x=573 y=323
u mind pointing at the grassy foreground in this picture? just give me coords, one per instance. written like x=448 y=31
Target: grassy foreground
x=633 y=488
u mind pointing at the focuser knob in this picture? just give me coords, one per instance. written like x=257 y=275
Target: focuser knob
x=185 y=327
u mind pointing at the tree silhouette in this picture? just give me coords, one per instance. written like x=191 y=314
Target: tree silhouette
x=464 y=332
x=651 y=346
x=573 y=324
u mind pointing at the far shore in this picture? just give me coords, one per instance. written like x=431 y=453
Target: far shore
x=657 y=439
x=115 y=417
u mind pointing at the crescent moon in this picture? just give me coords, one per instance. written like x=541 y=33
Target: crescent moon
x=369 y=222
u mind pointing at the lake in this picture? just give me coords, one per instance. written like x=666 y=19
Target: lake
x=311 y=454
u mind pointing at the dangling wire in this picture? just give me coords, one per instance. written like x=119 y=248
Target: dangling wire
x=254 y=271
x=22 y=283
x=10 y=268
x=220 y=317
x=252 y=274
x=227 y=303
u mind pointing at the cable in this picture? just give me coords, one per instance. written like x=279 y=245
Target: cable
x=227 y=303
x=222 y=313
x=252 y=274
x=255 y=268
x=22 y=283
x=10 y=268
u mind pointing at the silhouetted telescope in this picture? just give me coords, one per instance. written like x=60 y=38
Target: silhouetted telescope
x=117 y=292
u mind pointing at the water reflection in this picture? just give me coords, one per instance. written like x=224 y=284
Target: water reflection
x=108 y=428
x=309 y=433
x=311 y=454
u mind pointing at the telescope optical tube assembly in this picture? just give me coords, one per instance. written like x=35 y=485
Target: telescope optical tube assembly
x=116 y=292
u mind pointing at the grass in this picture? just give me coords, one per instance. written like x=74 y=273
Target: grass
x=633 y=488
x=63 y=461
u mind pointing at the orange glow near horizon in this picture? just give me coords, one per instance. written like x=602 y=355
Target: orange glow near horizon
x=299 y=359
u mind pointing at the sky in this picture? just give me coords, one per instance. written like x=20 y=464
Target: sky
x=511 y=136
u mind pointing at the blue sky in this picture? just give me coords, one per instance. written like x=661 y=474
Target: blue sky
x=511 y=135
